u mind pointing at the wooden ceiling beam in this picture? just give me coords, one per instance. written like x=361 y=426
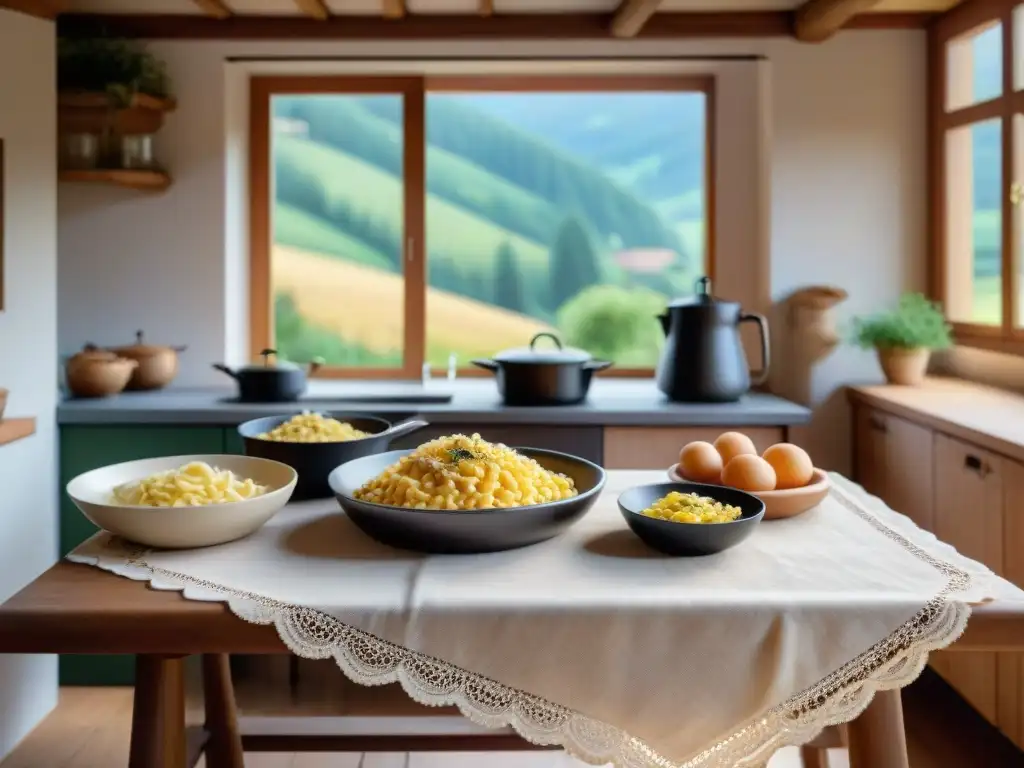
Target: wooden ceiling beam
x=818 y=20
x=43 y=9
x=631 y=16
x=509 y=26
x=217 y=9
x=315 y=9
x=394 y=9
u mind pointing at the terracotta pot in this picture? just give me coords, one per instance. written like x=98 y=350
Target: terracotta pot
x=158 y=364
x=906 y=367
x=94 y=372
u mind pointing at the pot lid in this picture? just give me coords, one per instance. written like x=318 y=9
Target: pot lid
x=531 y=354
x=701 y=298
x=269 y=363
x=141 y=349
x=91 y=352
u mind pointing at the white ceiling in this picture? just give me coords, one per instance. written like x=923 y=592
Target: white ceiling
x=373 y=7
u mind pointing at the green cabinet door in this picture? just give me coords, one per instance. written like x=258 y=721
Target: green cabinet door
x=233 y=442
x=83 y=448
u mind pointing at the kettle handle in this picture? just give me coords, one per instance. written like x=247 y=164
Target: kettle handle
x=757 y=378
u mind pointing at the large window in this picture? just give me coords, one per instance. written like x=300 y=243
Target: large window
x=977 y=117
x=403 y=221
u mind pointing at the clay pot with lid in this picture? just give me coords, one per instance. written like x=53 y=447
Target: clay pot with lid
x=96 y=372
x=157 y=363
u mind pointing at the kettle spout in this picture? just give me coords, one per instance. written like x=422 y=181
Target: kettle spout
x=666 y=322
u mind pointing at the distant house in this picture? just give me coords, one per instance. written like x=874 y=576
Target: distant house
x=291 y=126
x=645 y=261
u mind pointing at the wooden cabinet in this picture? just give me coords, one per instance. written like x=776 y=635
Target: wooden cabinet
x=647 y=447
x=968 y=514
x=971 y=498
x=894 y=460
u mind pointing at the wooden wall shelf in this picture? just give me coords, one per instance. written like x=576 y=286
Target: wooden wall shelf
x=16 y=429
x=148 y=181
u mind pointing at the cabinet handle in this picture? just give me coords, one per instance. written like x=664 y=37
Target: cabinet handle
x=878 y=425
x=975 y=464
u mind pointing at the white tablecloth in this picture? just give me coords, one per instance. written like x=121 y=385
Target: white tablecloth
x=595 y=642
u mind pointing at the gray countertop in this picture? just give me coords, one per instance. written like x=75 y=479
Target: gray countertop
x=612 y=402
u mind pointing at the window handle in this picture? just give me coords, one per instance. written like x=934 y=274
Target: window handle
x=410 y=250
x=1016 y=193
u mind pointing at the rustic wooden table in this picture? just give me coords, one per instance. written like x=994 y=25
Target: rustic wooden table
x=80 y=609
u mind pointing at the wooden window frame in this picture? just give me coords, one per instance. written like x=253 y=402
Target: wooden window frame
x=964 y=19
x=414 y=90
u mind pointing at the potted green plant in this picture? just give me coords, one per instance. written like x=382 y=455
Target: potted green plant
x=109 y=84
x=904 y=337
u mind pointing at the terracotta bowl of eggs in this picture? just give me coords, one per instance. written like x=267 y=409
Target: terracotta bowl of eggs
x=783 y=477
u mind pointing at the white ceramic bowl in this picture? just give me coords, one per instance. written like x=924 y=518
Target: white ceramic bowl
x=182 y=527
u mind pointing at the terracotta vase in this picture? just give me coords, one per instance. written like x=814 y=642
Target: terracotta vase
x=905 y=367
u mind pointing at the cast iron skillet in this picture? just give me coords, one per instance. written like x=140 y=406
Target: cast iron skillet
x=468 y=532
x=314 y=461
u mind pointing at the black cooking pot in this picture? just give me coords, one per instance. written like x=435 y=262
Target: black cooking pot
x=530 y=376
x=315 y=461
x=270 y=381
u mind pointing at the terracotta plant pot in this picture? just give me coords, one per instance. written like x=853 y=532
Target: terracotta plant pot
x=904 y=366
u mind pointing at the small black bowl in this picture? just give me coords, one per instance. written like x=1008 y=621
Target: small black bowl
x=689 y=539
x=439 y=531
x=315 y=461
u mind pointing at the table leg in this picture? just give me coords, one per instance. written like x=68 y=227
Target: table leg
x=224 y=748
x=877 y=738
x=158 y=713
x=813 y=757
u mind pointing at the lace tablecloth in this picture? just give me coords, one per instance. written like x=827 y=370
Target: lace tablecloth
x=596 y=643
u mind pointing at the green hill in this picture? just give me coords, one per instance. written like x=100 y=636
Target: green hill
x=518 y=165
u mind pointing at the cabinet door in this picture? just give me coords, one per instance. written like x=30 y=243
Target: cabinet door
x=969 y=516
x=895 y=460
x=1011 y=665
x=869 y=451
x=658 y=447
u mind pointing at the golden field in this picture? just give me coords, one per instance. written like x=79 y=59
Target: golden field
x=363 y=304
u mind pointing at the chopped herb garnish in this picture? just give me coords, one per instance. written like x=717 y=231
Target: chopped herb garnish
x=455 y=455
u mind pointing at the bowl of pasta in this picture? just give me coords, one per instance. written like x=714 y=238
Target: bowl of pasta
x=181 y=502
x=690 y=519
x=316 y=443
x=459 y=494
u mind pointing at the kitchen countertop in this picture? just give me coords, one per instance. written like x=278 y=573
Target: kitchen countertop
x=988 y=417
x=612 y=402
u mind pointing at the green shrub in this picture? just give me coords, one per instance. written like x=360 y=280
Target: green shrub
x=915 y=323
x=614 y=323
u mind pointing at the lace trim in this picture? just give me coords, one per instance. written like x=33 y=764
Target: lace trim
x=367 y=660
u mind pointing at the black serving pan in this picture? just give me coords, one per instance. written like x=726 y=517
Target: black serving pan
x=315 y=461
x=689 y=539
x=472 y=531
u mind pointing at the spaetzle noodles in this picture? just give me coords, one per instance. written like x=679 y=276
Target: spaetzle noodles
x=309 y=427
x=466 y=473
x=196 y=484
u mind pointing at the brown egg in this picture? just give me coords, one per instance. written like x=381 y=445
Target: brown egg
x=793 y=467
x=700 y=462
x=749 y=472
x=732 y=444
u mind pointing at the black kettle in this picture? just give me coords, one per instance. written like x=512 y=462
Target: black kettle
x=703 y=359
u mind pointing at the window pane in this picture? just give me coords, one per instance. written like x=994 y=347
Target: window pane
x=338 y=227
x=974 y=64
x=973 y=224
x=581 y=213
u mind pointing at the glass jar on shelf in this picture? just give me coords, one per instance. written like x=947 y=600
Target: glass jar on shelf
x=137 y=151
x=79 y=151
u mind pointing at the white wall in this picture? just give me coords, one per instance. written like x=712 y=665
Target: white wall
x=843 y=136
x=28 y=347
